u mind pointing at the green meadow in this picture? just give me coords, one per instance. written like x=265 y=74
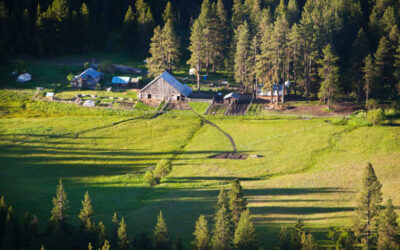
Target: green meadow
x=306 y=168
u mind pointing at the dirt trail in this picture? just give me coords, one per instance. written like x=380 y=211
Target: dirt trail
x=217 y=127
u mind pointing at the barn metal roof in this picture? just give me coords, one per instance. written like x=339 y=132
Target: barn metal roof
x=91 y=72
x=182 y=88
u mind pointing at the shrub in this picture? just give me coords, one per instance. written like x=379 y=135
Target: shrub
x=70 y=77
x=392 y=112
x=376 y=116
x=107 y=67
x=149 y=178
x=372 y=104
x=162 y=169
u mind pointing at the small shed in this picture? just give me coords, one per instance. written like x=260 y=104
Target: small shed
x=50 y=96
x=232 y=98
x=165 y=86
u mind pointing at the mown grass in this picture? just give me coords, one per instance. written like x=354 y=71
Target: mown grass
x=309 y=169
x=199 y=107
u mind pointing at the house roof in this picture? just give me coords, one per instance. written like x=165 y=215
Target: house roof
x=121 y=80
x=91 y=72
x=232 y=95
x=182 y=88
x=49 y=94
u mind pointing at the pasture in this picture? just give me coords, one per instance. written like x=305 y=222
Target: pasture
x=309 y=169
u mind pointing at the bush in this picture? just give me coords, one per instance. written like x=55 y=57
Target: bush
x=150 y=178
x=162 y=169
x=392 y=112
x=70 y=77
x=86 y=65
x=376 y=116
x=372 y=104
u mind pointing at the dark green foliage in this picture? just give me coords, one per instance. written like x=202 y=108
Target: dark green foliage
x=245 y=237
x=178 y=244
x=388 y=228
x=329 y=73
x=122 y=242
x=60 y=205
x=160 y=237
x=343 y=238
x=368 y=209
x=143 y=241
x=237 y=202
x=284 y=238
x=201 y=234
x=222 y=234
x=308 y=242
x=86 y=212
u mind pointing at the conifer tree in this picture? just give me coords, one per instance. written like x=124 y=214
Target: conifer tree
x=242 y=55
x=60 y=205
x=145 y=23
x=168 y=14
x=360 y=49
x=222 y=232
x=245 y=237
x=223 y=36
x=284 y=238
x=384 y=62
x=292 y=12
x=308 y=242
x=123 y=242
x=128 y=31
x=207 y=21
x=178 y=244
x=201 y=235
x=397 y=68
x=237 y=203
x=101 y=234
x=329 y=73
x=237 y=14
x=86 y=212
x=369 y=76
x=170 y=44
x=90 y=247
x=86 y=30
x=368 y=209
x=106 y=245
x=156 y=62
x=161 y=238
x=297 y=234
x=388 y=228
x=295 y=55
x=114 y=231
x=281 y=10
x=143 y=241
x=223 y=199
x=196 y=49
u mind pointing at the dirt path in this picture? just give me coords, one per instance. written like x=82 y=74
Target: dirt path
x=217 y=127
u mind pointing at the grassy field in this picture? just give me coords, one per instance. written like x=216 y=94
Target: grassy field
x=309 y=169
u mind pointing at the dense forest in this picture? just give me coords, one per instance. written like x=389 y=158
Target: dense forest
x=328 y=49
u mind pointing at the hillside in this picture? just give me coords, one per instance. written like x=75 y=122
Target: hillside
x=309 y=169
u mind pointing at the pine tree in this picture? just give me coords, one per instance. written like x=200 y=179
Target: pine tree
x=297 y=235
x=161 y=238
x=170 y=44
x=329 y=73
x=106 y=245
x=60 y=205
x=202 y=238
x=86 y=212
x=281 y=10
x=292 y=12
x=388 y=228
x=207 y=21
x=86 y=30
x=369 y=76
x=123 y=242
x=222 y=231
x=284 y=239
x=245 y=237
x=223 y=36
x=295 y=55
x=384 y=62
x=143 y=241
x=196 y=49
x=145 y=23
x=368 y=208
x=223 y=199
x=128 y=30
x=168 y=14
x=114 y=231
x=360 y=50
x=178 y=244
x=397 y=68
x=237 y=203
x=308 y=242
x=237 y=14
x=90 y=247
x=242 y=55
x=101 y=234
x=156 y=62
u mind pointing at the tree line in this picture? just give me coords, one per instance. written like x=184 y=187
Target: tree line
x=327 y=49
x=374 y=226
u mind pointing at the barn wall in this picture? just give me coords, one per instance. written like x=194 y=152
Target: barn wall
x=159 y=90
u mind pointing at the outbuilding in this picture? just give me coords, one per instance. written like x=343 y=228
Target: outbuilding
x=88 y=79
x=164 y=87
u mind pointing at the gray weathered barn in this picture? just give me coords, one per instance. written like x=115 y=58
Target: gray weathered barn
x=164 y=87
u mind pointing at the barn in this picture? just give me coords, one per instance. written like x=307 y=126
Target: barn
x=88 y=79
x=163 y=87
